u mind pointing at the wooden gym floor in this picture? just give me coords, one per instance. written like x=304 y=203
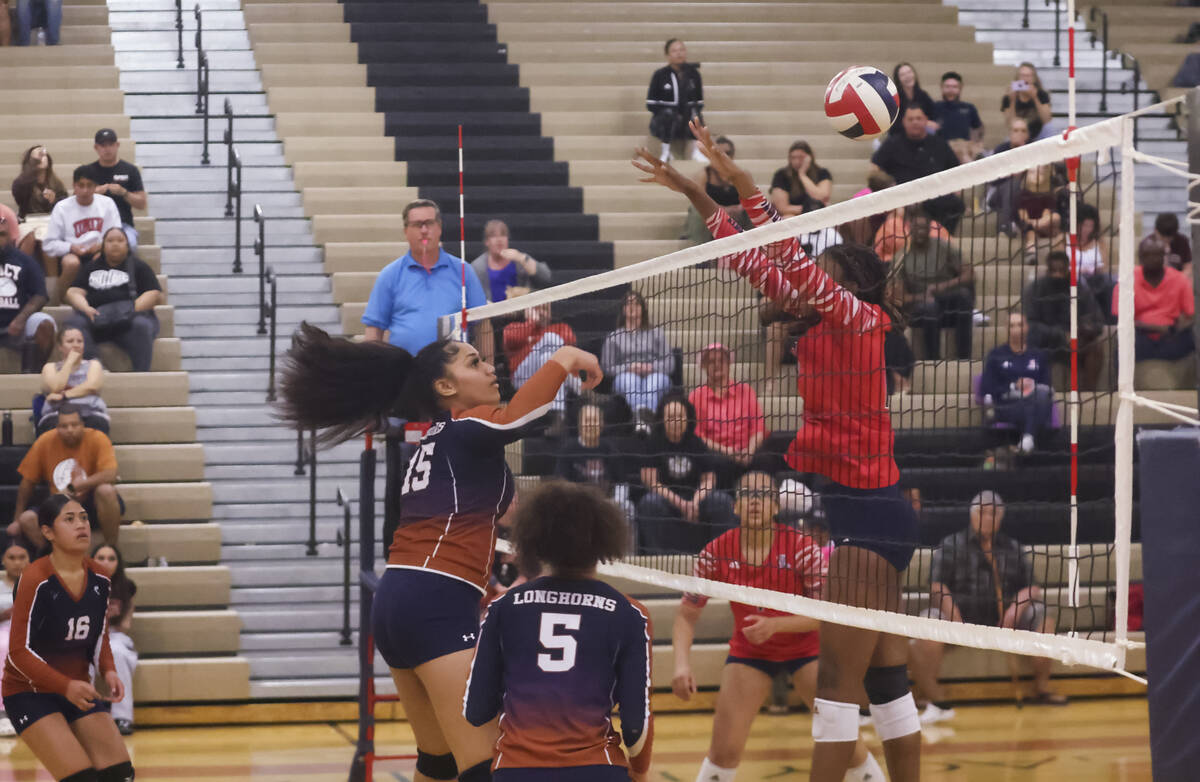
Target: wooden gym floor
x=1094 y=740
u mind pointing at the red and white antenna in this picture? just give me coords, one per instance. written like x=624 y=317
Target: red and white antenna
x=462 y=238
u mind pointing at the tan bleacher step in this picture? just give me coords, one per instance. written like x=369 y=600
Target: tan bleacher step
x=351 y=74
x=134 y=425
x=356 y=228
x=357 y=100
x=559 y=11
x=65 y=124
x=362 y=256
x=352 y=286
x=185 y=679
x=372 y=200
x=708 y=660
x=326 y=149
x=75 y=77
x=185 y=632
x=165 y=313
x=187 y=586
x=76 y=36
x=343 y=174
x=697 y=34
x=297 y=13
x=187 y=501
x=145 y=228
x=306 y=30
x=177 y=543
x=151 y=462
x=353 y=123
x=351 y=314
x=67 y=152
x=581 y=52
x=167 y=357
x=306 y=53
x=121 y=389
x=86 y=54
x=1155 y=374
x=42 y=102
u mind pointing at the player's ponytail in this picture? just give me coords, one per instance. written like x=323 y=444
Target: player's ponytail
x=871 y=276
x=346 y=388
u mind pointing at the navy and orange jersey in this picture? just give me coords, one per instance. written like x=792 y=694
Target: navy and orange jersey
x=57 y=636
x=847 y=433
x=794 y=565
x=554 y=656
x=458 y=484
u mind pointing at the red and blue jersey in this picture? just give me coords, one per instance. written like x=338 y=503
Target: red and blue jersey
x=554 y=657
x=847 y=430
x=794 y=565
x=57 y=636
x=458 y=484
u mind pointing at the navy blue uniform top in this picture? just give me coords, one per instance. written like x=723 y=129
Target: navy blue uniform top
x=56 y=636
x=554 y=656
x=1003 y=369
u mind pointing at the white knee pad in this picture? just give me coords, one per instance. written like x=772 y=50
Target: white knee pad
x=711 y=772
x=834 y=721
x=896 y=719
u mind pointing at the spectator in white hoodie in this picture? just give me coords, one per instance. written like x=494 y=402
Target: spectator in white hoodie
x=77 y=225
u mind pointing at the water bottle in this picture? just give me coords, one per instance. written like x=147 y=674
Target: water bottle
x=6 y=433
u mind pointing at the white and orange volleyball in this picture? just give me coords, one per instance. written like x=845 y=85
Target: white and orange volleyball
x=861 y=102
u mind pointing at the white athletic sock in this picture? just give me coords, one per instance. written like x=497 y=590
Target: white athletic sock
x=711 y=772
x=666 y=152
x=869 y=771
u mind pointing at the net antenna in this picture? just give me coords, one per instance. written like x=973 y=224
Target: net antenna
x=462 y=238
x=1107 y=141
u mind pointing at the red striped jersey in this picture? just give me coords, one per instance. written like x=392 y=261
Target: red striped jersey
x=458 y=484
x=794 y=565
x=57 y=636
x=847 y=430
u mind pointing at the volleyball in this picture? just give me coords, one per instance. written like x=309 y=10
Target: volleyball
x=861 y=102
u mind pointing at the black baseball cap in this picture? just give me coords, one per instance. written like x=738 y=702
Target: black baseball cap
x=106 y=136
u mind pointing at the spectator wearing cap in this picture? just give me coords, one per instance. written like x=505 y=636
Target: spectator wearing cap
x=119 y=180
x=504 y=271
x=1163 y=306
x=1179 y=249
x=27 y=329
x=77 y=227
x=729 y=419
x=981 y=576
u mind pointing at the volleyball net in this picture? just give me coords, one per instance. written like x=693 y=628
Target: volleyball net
x=1007 y=380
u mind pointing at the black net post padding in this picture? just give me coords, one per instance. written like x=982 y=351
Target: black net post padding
x=364 y=752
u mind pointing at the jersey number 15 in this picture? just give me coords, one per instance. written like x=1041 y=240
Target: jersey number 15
x=559 y=656
x=417 y=477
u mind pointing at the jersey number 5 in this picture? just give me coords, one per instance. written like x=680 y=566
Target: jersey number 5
x=554 y=642
x=77 y=629
x=419 y=469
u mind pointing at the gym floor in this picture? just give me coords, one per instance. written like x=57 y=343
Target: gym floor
x=1101 y=740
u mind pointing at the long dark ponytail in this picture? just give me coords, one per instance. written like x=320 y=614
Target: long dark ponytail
x=871 y=276
x=347 y=388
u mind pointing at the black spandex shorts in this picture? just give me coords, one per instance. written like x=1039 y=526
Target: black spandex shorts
x=420 y=615
x=771 y=667
x=26 y=708
x=879 y=520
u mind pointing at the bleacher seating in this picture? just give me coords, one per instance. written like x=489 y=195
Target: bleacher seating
x=1147 y=30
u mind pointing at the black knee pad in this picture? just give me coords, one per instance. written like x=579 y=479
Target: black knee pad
x=480 y=772
x=122 y=772
x=886 y=684
x=87 y=775
x=437 y=766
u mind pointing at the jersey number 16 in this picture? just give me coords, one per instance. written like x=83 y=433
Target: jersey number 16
x=77 y=628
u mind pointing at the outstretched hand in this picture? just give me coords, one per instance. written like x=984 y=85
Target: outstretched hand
x=721 y=163
x=658 y=171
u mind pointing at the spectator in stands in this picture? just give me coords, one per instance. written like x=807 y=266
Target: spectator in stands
x=719 y=190
x=939 y=290
x=73 y=380
x=16 y=559
x=120 y=622
x=412 y=292
x=729 y=419
x=78 y=462
x=916 y=153
x=77 y=227
x=802 y=185
x=682 y=509
x=6 y=40
x=1092 y=257
x=114 y=300
x=638 y=359
x=961 y=126
x=36 y=190
x=1026 y=99
x=501 y=268
x=1046 y=303
x=1163 y=306
x=27 y=330
x=1179 y=249
x=591 y=457
x=1016 y=384
x=49 y=18
x=863 y=230
x=529 y=343
x=894 y=234
x=908 y=85
x=674 y=97
x=1002 y=194
x=119 y=180
x=980 y=575
x=1036 y=212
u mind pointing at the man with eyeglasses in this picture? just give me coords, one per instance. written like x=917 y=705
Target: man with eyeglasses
x=412 y=292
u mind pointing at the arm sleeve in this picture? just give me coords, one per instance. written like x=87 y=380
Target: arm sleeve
x=662 y=360
x=146 y=280
x=758 y=423
x=379 y=305
x=112 y=216
x=541 y=277
x=106 y=455
x=57 y=242
x=475 y=294
x=990 y=382
x=35 y=279
x=698 y=104
x=135 y=185
x=485 y=683
x=31 y=466
x=1044 y=377
x=633 y=687
x=612 y=357
x=22 y=190
x=938 y=570
x=43 y=677
x=654 y=100
x=531 y=401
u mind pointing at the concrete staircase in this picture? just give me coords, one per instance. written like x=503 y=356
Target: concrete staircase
x=289 y=603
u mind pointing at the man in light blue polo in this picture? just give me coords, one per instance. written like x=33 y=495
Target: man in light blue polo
x=411 y=293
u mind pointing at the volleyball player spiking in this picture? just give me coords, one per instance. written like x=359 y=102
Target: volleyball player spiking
x=760 y=553
x=846 y=437
x=457 y=485
x=59 y=634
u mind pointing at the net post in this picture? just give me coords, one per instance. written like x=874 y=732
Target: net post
x=1193 y=208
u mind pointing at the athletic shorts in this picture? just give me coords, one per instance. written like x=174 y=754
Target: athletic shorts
x=420 y=615
x=772 y=668
x=569 y=774
x=878 y=520
x=26 y=708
